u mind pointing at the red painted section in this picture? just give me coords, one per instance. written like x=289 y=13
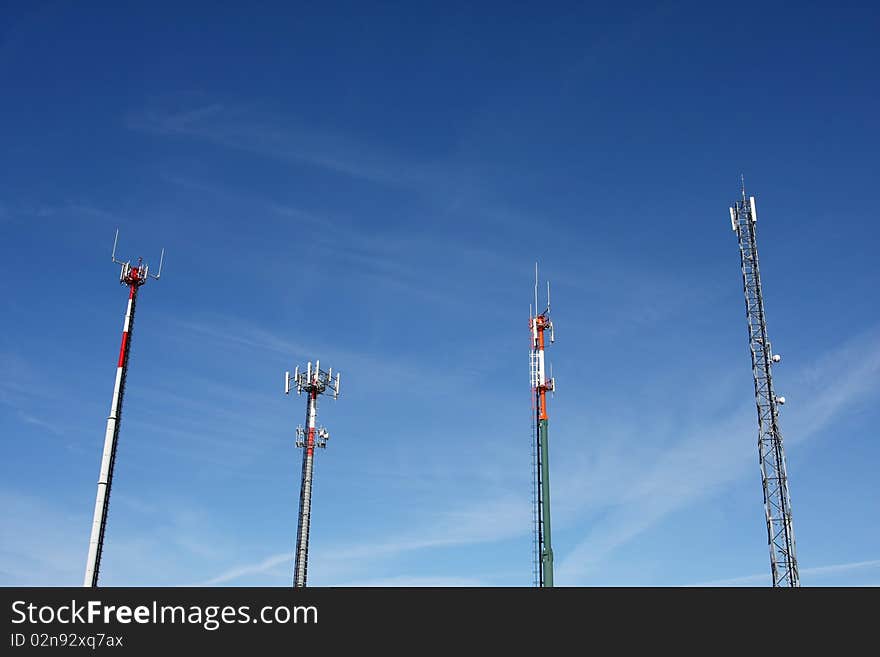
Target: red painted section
x=131 y=291
x=310 y=445
x=541 y=326
x=122 y=348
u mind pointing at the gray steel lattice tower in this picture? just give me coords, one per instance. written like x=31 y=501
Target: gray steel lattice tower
x=777 y=501
x=313 y=382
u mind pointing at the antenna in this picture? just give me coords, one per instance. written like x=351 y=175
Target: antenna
x=135 y=275
x=134 y=278
x=314 y=382
x=161 y=260
x=113 y=255
x=536 y=286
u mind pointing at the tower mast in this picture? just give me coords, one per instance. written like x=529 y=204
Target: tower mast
x=313 y=382
x=133 y=277
x=539 y=323
x=771 y=456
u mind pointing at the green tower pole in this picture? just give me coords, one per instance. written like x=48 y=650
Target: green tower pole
x=547 y=554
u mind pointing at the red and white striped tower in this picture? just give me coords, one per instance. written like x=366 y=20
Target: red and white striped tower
x=133 y=277
x=313 y=382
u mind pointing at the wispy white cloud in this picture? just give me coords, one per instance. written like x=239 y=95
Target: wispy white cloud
x=455 y=183
x=42 y=424
x=22 y=393
x=64 y=210
x=814 y=573
x=238 y=572
x=394 y=260
x=246 y=129
x=631 y=499
x=841 y=568
x=264 y=206
x=626 y=500
x=710 y=455
x=417 y=582
x=45 y=542
x=183 y=543
x=40 y=545
x=230 y=330
x=19 y=381
x=483 y=521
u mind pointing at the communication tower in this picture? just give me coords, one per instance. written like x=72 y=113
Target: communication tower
x=541 y=384
x=314 y=382
x=133 y=277
x=771 y=456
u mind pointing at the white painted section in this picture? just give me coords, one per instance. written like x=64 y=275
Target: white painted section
x=110 y=437
x=103 y=480
x=127 y=324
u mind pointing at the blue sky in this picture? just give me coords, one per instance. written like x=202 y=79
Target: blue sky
x=372 y=189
